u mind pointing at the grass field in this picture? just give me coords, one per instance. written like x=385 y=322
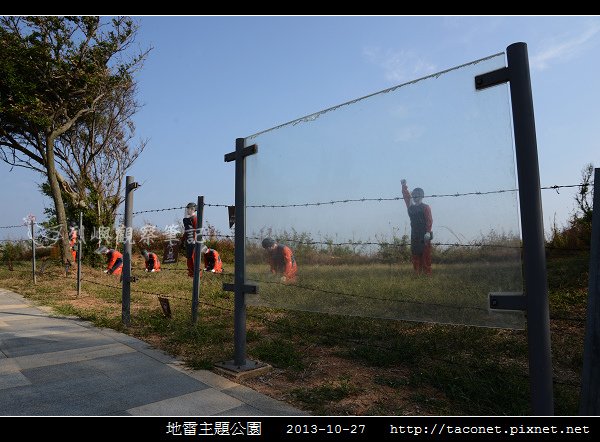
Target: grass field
x=453 y=294
x=338 y=364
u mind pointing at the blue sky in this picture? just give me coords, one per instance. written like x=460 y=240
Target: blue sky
x=422 y=131
x=209 y=80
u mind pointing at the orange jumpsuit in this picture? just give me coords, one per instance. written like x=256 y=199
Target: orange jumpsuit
x=281 y=260
x=212 y=261
x=153 y=263
x=421 y=222
x=73 y=244
x=115 y=262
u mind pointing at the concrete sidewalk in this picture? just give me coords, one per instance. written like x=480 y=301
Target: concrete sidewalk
x=59 y=366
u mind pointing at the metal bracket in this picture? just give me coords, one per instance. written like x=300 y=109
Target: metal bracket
x=507 y=301
x=246 y=288
x=246 y=151
x=133 y=186
x=492 y=78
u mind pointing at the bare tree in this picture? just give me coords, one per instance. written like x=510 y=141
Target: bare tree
x=95 y=156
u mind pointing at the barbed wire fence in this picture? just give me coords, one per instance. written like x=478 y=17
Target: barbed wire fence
x=290 y=331
x=292 y=286
x=345 y=201
x=12 y=227
x=329 y=243
x=297 y=328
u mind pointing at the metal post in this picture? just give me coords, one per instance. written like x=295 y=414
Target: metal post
x=590 y=378
x=197 y=259
x=534 y=271
x=126 y=296
x=79 y=243
x=67 y=232
x=239 y=321
x=240 y=288
x=33 y=253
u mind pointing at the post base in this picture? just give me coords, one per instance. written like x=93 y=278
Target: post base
x=248 y=369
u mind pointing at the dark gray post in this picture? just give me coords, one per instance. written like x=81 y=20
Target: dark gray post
x=590 y=378
x=79 y=242
x=239 y=320
x=197 y=259
x=534 y=271
x=239 y=287
x=33 y=253
x=126 y=297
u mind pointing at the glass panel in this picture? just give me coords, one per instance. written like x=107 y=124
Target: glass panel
x=328 y=186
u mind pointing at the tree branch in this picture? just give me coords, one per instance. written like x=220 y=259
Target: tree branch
x=13 y=144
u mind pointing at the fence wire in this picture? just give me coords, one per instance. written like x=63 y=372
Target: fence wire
x=555 y=187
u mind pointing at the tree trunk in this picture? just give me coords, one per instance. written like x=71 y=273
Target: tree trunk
x=61 y=216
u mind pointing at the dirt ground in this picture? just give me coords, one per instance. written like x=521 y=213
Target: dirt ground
x=365 y=396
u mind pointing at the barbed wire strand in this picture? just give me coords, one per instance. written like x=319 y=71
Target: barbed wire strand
x=290 y=327
x=155 y=210
x=135 y=289
x=331 y=292
x=336 y=338
x=160 y=295
x=209 y=236
x=370 y=243
x=350 y=200
x=402 y=244
x=100 y=283
x=556 y=318
x=397 y=198
x=565 y=318
x=367 y=243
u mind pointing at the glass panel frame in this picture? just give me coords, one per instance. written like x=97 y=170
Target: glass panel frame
x=328 y=186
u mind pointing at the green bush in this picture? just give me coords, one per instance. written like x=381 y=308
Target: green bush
x=577 y=233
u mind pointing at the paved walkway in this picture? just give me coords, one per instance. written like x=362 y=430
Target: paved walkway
x=60 y=366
